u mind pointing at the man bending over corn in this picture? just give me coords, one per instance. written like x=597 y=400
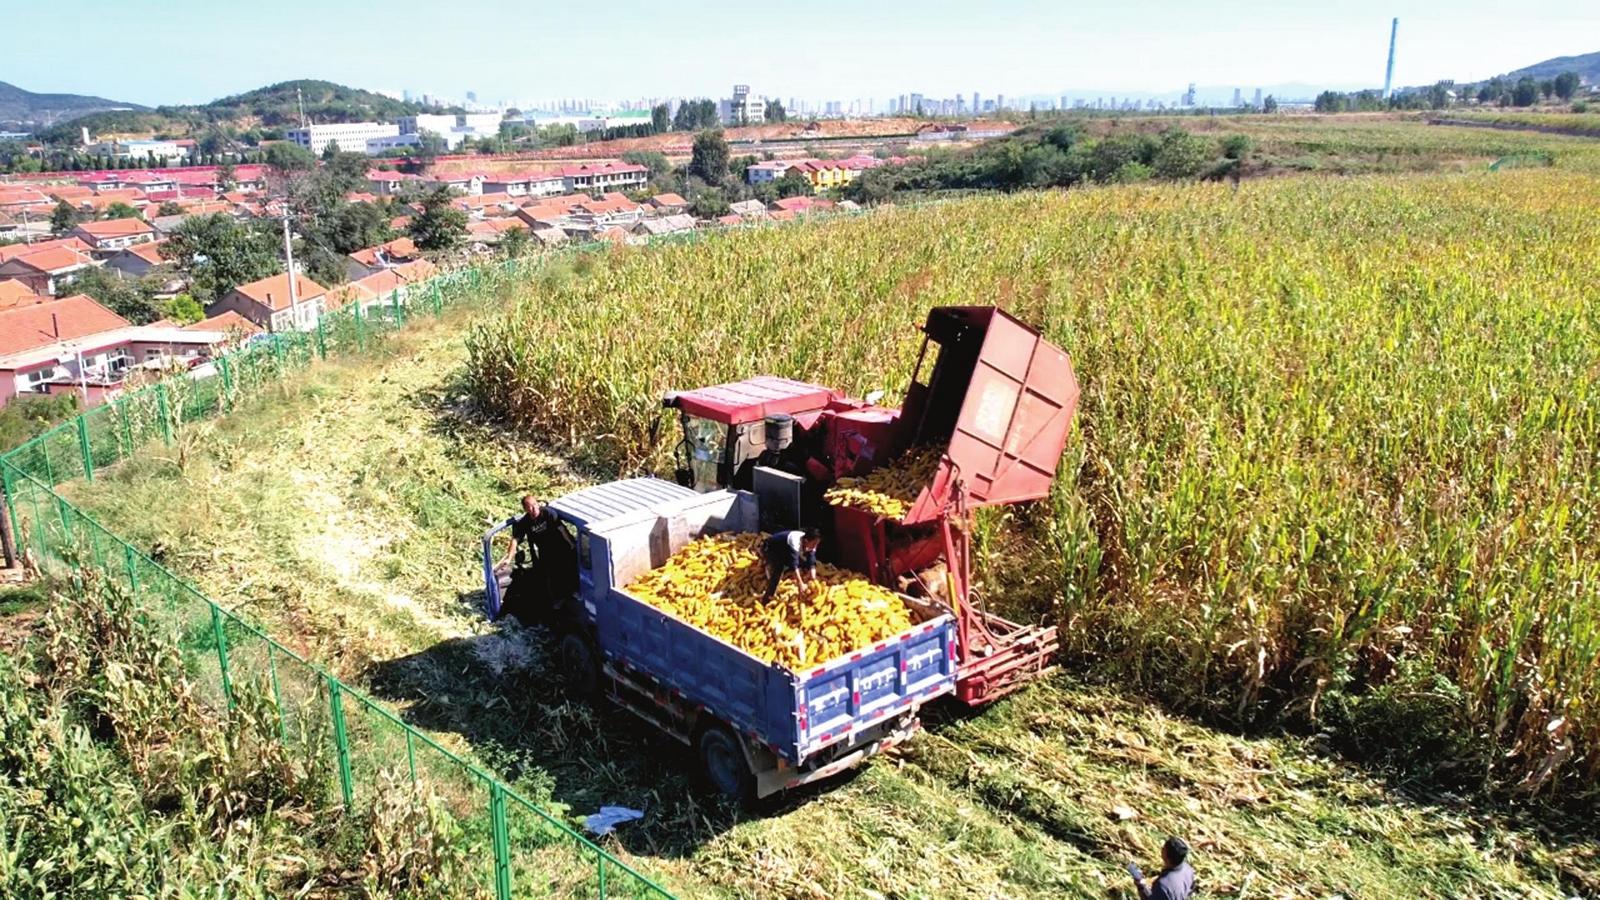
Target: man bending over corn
x=790 y=551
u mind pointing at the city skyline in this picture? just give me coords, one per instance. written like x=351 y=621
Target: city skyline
x=1022 y=48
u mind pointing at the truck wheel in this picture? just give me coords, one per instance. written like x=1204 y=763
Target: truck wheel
x=723 y=760
x=580 y=666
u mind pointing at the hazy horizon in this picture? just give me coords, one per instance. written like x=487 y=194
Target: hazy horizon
x=833 y=51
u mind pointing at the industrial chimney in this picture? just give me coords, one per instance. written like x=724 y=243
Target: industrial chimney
x=1388 y=75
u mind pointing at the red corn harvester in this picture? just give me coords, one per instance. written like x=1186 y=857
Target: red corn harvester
x=989 y=394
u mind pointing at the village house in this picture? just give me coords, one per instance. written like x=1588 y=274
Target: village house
x=267 y=303
x=49 y=271
x=610 y=176
x=384 y=256
x=74 y=344
x=110 y=235
x=668 y=203
x=463 y=182
x=748 y=209
x=664 y=225
x=137 y=261
x=527 y=184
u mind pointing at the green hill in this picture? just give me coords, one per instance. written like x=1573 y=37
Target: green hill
x=1587 y=66
x=273 y=106
x=24 y=107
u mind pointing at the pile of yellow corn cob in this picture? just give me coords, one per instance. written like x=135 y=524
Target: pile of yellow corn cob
x=888 y=491
x=716 y=582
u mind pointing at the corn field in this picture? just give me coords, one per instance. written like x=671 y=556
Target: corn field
x=1337 y=439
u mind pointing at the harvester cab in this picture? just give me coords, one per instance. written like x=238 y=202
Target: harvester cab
x=989 y=395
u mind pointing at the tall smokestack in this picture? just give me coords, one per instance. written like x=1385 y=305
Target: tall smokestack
x=1388 y=75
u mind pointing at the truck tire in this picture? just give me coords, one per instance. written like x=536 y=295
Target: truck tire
x=580 y=665
x=722 y=759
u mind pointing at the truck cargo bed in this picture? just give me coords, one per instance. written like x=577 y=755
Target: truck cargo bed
x=794 y=714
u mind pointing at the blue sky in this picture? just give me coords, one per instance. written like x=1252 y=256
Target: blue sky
x=195 y=50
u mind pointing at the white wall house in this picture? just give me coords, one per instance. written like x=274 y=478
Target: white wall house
x=350 y=137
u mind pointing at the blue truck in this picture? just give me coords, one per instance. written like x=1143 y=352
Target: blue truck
x=757 y=728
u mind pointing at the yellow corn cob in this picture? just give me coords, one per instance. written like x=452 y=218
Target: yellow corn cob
x=889 y=491
x=716 y=582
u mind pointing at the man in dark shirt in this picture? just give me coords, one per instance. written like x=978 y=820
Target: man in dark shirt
x=543 y=572
x=531 y=532
x=790 y=551
x=1176 y=881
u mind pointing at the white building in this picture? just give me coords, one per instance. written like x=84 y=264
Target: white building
x=438 y=124
x=138 y=149
x=742 y=108
x=771 y=170
x=350 y=137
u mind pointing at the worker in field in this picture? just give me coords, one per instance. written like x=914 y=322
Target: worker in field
x=1176 y=880
x=786 y=552
x=541 y=561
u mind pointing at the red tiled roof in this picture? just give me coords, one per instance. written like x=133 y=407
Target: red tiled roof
x=149 y=251
x=51 y=260
x=225 y=321
x=273 y=291
x=42 y=324
x=68 y=192
x=12 y=251
x=668 y=199
x=479 y=201
x=15 y=293
x=730 y=220
x=399 y=248
x=115 y=228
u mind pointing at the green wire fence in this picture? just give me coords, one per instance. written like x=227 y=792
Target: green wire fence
x=527 y=850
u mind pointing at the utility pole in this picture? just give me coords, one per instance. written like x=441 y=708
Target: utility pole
x=288 y=256
x=300 y=99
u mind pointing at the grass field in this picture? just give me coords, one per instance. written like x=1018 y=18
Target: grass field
x=342 y=511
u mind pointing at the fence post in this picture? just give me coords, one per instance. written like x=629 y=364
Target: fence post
x=502 y=841
x=341 y=743
x=127 y=429
x=132 y=563
x=438 y=300
x=164 y=412
x=361 y=334
x=227 y=381
x=322 y=339
x=83 y=447
x=399 y=311
x=10 y=554
x=44 y=450
x=222 y=652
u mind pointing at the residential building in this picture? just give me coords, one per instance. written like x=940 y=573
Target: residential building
x=12 y=251
x=609 y=176
x=138 y=260
x=663 y=225
x=15 y=293
x=384 y=256
x=742 y=108
x=350 y=137
x=229 y=323
x=172 y=150
x=75 y=344
x=771 y=170
x=48 y=271
x=267 y=303
x=668 y=203
x=465 y=182
x=479 y=205
x=527 y=184
x=746 y=209
x=110 y=235
x=387 y=184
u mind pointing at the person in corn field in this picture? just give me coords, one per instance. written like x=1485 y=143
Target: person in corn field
x=1176 y=879
x=790 y=551
x=540 y=559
